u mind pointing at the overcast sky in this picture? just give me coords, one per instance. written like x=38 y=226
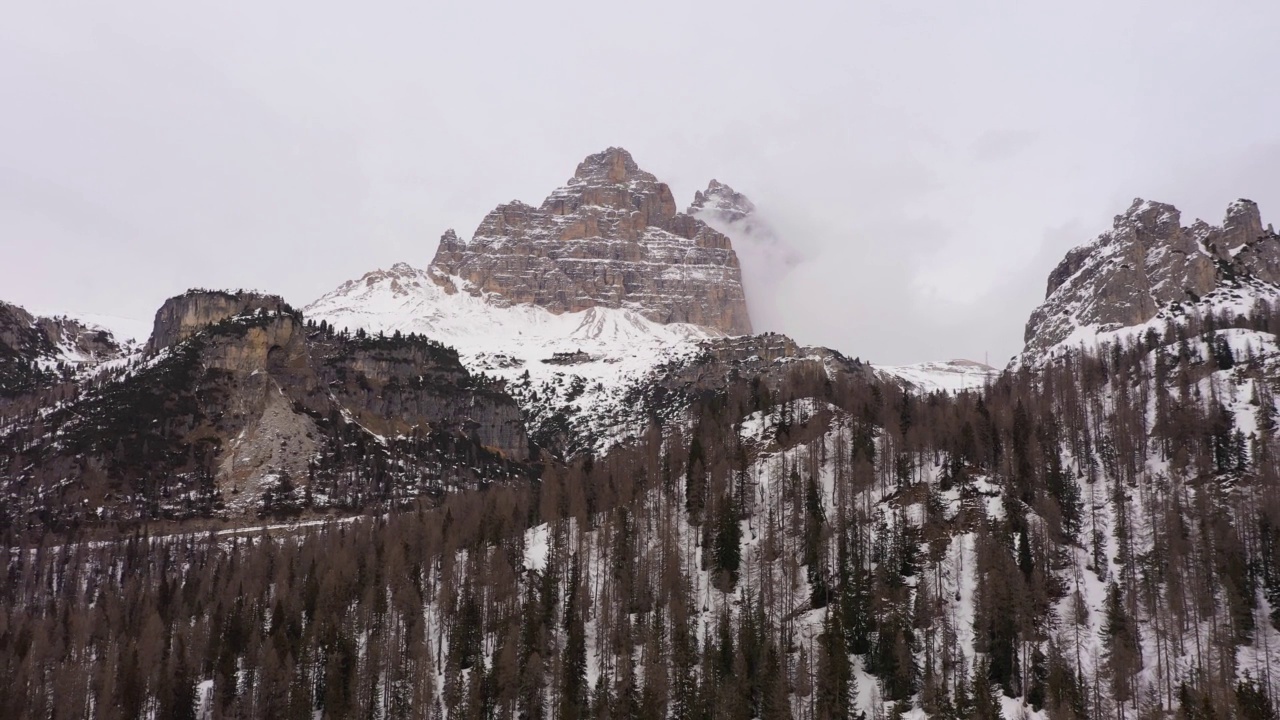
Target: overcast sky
x=929 y=161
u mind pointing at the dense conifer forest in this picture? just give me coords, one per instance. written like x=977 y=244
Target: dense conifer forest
x=1098 y=539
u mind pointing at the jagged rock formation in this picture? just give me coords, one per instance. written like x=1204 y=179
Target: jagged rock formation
x=1148 y=263
x=612 y=237
x=22 y=345
x=723 y=202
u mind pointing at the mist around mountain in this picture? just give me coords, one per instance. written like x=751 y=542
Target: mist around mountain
x=554 y=474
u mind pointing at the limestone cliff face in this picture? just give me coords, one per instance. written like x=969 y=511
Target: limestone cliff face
x=78 y=342
x=19 y=335
x=182 y=316
x=389 y=385
x=256 y=368
x=611 y=237
x=1149 y=261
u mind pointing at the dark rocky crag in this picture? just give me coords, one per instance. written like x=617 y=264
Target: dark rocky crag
x=611 y=237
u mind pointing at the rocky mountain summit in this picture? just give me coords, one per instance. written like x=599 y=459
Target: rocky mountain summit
x=723 y=202
x=1148 y=266
x=611 y=237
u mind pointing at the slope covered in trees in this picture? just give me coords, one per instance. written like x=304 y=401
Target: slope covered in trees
x=1098 y=539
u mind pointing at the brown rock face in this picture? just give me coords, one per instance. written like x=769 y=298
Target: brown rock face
x=389 y=386
x=182 y=316
x=1146 y=262
x=19 y=335
x=265 y=369
x=611 y=237
x=391 y=389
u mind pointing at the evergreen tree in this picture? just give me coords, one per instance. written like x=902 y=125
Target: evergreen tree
x=1123 y=647
x=573 y=690
x=728 y=542
x=835 y=684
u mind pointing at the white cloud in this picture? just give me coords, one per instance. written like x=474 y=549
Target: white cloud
x=920 y=155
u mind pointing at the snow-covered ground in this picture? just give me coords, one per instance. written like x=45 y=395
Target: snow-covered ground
x=587 y=359
x=130 y=334
x=947 y=376
x=1231 y=301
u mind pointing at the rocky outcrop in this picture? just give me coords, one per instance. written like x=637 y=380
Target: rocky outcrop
x=36 y=352
x=79 y=343
x=182 y=316
x=393 y=386
x=389 y=385
x=22 y=346
x=257 y=406
x=19 y=335
x=1148 y=262
x=770 y=363
x=611 y=237
x=723 y=202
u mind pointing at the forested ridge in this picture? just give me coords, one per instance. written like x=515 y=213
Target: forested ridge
x=1099 y=538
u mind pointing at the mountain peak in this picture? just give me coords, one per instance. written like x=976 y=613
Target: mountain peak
x=719 y=198
x=1149 y=212
x=613 y=165
x=611 y=237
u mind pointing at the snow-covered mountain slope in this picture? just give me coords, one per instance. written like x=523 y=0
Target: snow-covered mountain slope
x=567 y=363
x=1236 y=297
x=37 y=351
x=1125 y=508
x=946 y=376
x=130 y=334
x=126 y=330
